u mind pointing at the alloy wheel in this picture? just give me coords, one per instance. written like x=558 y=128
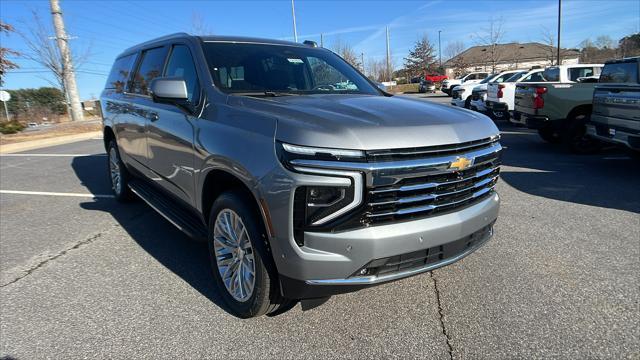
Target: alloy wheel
x=114 y=169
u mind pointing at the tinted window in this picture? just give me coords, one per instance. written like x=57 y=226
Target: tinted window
x=482 y=76
x=181 y=65
x=515 y=77
x=575 y=73
x=535 y=77
x=552 y=74
x=254 y=69
x=120 y=73
x=149 y=69
x=620 y=73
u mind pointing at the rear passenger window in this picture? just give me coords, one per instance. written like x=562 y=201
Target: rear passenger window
x=181 y=65
x=120 y=73
x=552 y=74
x=575 y=73
x=149 y=69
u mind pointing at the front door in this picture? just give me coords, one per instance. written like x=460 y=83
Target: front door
x=171 y=131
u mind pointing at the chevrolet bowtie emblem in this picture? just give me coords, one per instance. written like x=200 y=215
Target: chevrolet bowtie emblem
x=461 y=163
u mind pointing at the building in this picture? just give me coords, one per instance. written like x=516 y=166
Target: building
x=507 y=57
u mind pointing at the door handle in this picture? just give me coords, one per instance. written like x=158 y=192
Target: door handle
x=154 y=117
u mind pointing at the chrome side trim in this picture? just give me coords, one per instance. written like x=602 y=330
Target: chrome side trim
x=370 y=280
x=358 y=189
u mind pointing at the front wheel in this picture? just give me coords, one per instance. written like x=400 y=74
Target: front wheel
x=243 y=270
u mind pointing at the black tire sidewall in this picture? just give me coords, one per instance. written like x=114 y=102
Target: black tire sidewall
x=258 y=303
x=575 y=131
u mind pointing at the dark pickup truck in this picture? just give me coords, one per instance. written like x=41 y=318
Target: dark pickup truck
x=616 y=104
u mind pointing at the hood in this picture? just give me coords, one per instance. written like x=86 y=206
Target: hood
x=368 y=122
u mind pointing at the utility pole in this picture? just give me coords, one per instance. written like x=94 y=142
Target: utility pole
x=388 y=56
x=558 y=61
x=440 y=48
x=321 y=40
x=295 y=30
x=362 y=57
x=67 y=63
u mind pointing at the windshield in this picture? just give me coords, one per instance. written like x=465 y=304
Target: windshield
x=515 y=77
x=263 y=69
x=488 y=78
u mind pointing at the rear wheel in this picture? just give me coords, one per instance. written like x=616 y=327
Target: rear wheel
x=576 y=138
x=243 y=270
x=550 y=135
x=118 y=174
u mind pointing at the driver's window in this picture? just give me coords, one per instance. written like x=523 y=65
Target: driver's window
x=326 y=77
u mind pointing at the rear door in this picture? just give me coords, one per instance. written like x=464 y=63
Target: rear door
x=171 y=132
x=142 y=108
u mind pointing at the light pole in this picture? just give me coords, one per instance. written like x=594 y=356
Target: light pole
x=559 y=62
x=295 y=30
x=439 y=48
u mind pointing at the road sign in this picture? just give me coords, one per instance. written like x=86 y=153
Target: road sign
x=4 y=96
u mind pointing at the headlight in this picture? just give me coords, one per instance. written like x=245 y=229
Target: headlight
x=318 y=205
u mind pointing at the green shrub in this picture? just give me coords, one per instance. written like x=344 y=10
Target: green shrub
x=10 y=127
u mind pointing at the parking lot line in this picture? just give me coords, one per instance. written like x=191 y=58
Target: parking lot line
x=46 y=193
x=51 y=155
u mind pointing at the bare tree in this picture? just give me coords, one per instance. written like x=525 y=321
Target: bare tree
x=377 y=69
x=346 y=52
x=549 y=40
x=199 y=25
x=6 y=64
x=43 y=51
x=456 y=59
x=491 y=36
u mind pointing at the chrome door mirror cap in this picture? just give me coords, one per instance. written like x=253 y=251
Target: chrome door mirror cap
x=168 y=89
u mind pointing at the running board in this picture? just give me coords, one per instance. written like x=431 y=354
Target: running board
x=175 y=213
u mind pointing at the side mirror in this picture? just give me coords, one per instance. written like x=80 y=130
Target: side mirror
x=169 y=90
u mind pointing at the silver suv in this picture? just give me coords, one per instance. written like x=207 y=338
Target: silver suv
x=305 y=179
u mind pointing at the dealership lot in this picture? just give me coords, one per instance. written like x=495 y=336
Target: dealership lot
x=85 y=276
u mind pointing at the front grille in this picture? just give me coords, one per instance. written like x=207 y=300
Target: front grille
x=426 y=257
x=424 y=194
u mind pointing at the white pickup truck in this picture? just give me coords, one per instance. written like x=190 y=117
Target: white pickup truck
x=475 y=95
x=471 y=78
x=500 y=96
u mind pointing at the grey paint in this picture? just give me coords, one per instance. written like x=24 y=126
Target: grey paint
x=237 y=135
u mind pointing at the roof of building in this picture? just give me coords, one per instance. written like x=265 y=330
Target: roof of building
x=507 y=53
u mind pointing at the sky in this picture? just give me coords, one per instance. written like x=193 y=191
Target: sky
x=105 y=28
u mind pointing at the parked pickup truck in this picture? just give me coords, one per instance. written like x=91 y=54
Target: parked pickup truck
x=304 y=178
x=616 y=104
x=500 y=95
x=471 y=78
x=478 y=92
x=559 y=108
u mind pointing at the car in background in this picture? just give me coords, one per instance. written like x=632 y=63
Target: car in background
x=435 y=78
x=500 y=96
x=560 y=107
x=615 y=117
x=479 y=92
x=426 y=86
x=461 y=94
x=474 y=77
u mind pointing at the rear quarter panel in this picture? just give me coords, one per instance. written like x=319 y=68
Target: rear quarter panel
x=559 y=99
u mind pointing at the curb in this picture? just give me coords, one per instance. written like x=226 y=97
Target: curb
x=36 y=144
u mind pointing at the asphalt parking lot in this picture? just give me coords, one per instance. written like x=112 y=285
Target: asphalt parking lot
x=83 y=276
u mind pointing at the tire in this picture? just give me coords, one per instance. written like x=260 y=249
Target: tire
x=246 y=252
x=467 y=103
x=575 y=135
x=118 y=174
x=550 y=135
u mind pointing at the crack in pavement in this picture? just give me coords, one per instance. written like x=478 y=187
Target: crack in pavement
x=440 y=312
x=77 y=245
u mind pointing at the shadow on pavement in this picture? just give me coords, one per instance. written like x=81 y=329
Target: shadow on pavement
x=610 y=179
x=169 y=246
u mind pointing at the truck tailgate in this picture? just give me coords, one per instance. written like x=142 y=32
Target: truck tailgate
x=524 y=98
x=492 y=91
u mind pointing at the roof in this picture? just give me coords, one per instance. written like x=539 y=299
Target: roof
x=212 y=38
x=508 y=52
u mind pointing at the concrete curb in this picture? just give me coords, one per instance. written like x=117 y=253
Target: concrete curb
x=36 y=144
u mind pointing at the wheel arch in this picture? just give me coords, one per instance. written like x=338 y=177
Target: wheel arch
x=107 y=136
x=580 y=109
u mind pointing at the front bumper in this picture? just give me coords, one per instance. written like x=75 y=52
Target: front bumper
x=479 y=105
x=457 y=102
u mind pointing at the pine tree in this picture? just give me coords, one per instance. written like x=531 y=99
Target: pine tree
x=421 y=58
